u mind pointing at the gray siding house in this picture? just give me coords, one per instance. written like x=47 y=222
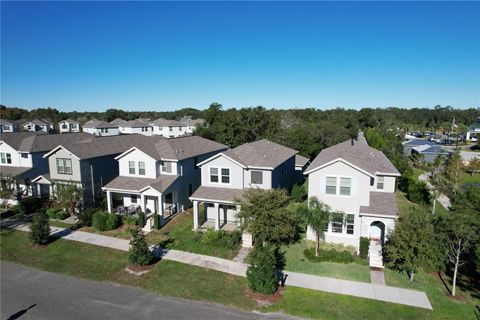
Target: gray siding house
x=260 y=164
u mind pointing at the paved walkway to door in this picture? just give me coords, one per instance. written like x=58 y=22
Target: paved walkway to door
x=353 y=288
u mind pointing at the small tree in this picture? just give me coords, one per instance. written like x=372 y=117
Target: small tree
x=462 y=225
x=454 y=170
x=299 y=194
x=316 y=215
x=414 y=243
x=264 y=214
x=40 y=228
x=69 y=197
x=7 y=189
x=139 y=252
x=474 y=165
x=437 y=179
x=261 y=273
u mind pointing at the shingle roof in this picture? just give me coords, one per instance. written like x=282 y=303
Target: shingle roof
x=261 y=153
x=418 y=142
x=177 y=148
x=300 y=161
x=69 y=120
x=39 y=122
x=136 y=184
x=94 y=123
x=5 y=122
x=381 y=203
x=13 y=171
x=435 y=149
x=359 y=154
x=161 y=122
x=218 y=194
x=42 y=142
x=134 y=123
x=117 y=121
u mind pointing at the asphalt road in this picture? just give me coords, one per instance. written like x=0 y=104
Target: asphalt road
x=33 y=294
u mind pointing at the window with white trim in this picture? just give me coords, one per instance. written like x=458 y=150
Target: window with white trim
x=345 y=186
x=5 y=158
x=349 y=223
x=380 y=182
x=141 y=168
x=24 y=155
x=225 y=175
x=214 y=175
x=131 y=167
x=64 y=166
x=133 y=198
x=256 y=177
x=337 y=223
x=331 y=185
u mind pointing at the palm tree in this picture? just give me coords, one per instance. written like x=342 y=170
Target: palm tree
x=317 y=215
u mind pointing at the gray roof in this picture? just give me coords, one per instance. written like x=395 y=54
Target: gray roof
x=42 y=142
x=5 y=122
x=177 y=148
x=46 y=176
x=300 y=161
x=134 y=123
x=432 y=149
x=136 y=184
x=117 y=121
x=381 y=203
x=261 y=153
x=94 y=123
x=69 y=120
x=161 y=122
x=218 y=194
x=357 y=153
x=418 y=142
x=39 y=122
x=13 y=171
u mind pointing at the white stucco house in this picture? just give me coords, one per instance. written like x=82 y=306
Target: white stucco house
x=8 y=126
x=359 y=181
x=175 y=128
x=68 y=125
x=158 y=175
x=139 y=126
x=44 y=125
x=260 y=164
x=101 y=128
x=21 y=158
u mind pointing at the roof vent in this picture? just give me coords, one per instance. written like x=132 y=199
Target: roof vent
x=353 y=142
x=265 y=155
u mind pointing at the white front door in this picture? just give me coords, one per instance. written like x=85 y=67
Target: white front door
x=151 y=205
x=375 y=232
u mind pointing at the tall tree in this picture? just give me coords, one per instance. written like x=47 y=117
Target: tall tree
x=437 y=179
x=414 y=243
x=69 y=197
x=454 y=170
x=316 y=215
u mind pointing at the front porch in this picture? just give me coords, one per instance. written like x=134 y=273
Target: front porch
x=210 y=224
x=215 y=215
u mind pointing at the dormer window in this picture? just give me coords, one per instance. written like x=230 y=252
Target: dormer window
x=380 y=183
x=225 y=175
x=141 y=168
x=131 y=167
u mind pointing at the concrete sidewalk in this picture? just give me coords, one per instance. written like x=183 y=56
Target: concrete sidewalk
x=442 y=198
x=332 y=285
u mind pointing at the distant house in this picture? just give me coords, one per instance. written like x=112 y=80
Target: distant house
x=358 y=181
x=410 y=144
x=21 y=158
x=68 y=125
x=261 y=164
x=139 y=126
x=158 y=175
x=175 y=128
x=301 y=164
x=429 y=153
x=473 y=132
x=8 y=126
x=117 y=121
x=44 y=125
x=100 y=128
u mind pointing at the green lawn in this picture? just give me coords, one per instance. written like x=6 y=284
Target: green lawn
x=181 y=237
x=467 y=179
x=60 y=224
x=297 y=262
x=417 y=172
x=184 y=281
x=124 y=232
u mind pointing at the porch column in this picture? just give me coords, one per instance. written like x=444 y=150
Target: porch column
x=109 y=201
x=217 y=216
x=238 y=222
x=50 y=189
x=39 y=190
x=142 y=203
x=160 y=206
x=195 y=214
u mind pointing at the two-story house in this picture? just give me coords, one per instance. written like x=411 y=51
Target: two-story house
x=68 y=125
x=260 y=164
x=8 y=126
x=89 y=163
x=136 y=126
x=101 y=128
x=158 y=175
x=44 y=125
x=21 y=158
x=359 y=182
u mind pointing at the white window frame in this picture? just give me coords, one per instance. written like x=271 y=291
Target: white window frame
x=251 y=177
x=341 y=225
x=338 y=180
x=5 y=158
x=340 y=187
x=140 y=168
x=62 y=163
x=326 y=185
x=220 y=175
x=349 y=224
x=381 y=181
x=130 y=167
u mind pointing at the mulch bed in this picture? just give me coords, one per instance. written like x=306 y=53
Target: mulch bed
x=265 y=300
x=140 y=270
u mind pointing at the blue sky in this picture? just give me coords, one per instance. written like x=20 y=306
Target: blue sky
x=167 y=55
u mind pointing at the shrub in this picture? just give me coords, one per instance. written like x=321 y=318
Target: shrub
x=221 y=238
x=141 y=220
x=139 y=253
x=298 y=194
x=364 y=245
x=85 y=216
x=54 y=213
x=130 y=220
x=40 y=228
x=99 y=221
x=331 y=256
x=156 y=221
x=29 y=205
x=112 y=221
x=339 y=247
x=261 y=273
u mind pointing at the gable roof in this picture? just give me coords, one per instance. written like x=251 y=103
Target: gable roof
x=300 y=161
x=96 y=124
x=13 y=171
x=42 y=142
x=161 y=122
x=262 y=154
x=39 y=122
x=5 y=122
x=117 y=121
x=178 y=148
x=69 y=120
x=356 y=153
x=137 y=123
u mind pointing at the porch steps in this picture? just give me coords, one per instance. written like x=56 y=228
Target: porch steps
x=375 y=254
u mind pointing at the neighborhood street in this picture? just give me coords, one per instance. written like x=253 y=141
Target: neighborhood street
x=33 y=294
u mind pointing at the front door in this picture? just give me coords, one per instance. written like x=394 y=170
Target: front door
x=151 y=205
